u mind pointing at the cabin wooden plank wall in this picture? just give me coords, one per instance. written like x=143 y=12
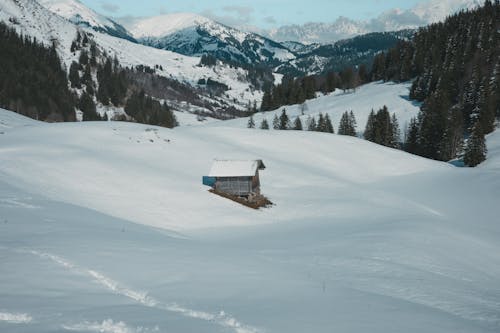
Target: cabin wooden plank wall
x=234 y=185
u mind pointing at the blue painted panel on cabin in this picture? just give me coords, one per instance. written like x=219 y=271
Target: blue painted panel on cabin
x=209 y=181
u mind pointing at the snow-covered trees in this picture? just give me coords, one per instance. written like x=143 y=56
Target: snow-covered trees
x=455 y=66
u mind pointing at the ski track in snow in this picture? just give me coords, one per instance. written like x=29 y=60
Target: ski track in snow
x=15 y=318
x=108 y=326
x=221 y=319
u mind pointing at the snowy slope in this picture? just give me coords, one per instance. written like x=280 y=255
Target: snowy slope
x=36 y=21
x=361 y=238
x=81 y=15
x=367 y=97
x=164 y=25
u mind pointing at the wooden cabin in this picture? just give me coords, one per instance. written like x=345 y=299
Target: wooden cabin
x=236 y=177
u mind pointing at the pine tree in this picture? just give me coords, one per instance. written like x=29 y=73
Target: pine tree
x=251 y=122
x=345 y=126
x=74 y=75
x=264 y=124
x=311 y=124
x=352 y=124
x=267 y=101
x=276 y=122
x=475 y=151
x=396 y=133
x=297 y=124
x=328 y=124
x=369 y=133
x=284 y=121
x=320 y=126
x=87 y=106
x=411 y=137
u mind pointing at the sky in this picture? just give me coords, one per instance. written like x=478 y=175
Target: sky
x=259 y=13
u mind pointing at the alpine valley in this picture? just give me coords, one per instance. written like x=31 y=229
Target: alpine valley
x=173 y=173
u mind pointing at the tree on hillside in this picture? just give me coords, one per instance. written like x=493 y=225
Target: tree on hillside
x=284 y=121
x=396 y=132
x=276 y=122
x=87 y=106
x=74 y=75
x=369 y=133
x=347 y=124
x=411 y=137
x=264 y=124
x=251 y=122
x=297 y=124
x=328 y=124
x=311 y=124
x=475 y=151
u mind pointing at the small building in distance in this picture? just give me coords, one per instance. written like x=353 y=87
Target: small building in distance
x=235 y=177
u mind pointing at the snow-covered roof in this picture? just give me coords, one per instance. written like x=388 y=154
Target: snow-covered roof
x=235 y=168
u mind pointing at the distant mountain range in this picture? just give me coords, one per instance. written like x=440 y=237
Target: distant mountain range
x=312 y=48
x=422 y=14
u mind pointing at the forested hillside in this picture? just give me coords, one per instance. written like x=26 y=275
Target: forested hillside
x=32 y=80
x=456 y=70
x=34 y=83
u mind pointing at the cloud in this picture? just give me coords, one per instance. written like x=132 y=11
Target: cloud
x=270 y=20
x=110 y=7
x=231 y=15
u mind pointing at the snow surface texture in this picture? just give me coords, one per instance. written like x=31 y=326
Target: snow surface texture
x=233 y=168
x=77 y=12
x=122 y=237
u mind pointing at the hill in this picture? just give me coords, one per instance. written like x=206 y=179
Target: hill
x=360 y=235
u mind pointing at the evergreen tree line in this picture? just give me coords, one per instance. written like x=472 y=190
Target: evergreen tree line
x=298 y=90
x=146 y=110
x=32 y=79
x=456 y=70
x=322 y=124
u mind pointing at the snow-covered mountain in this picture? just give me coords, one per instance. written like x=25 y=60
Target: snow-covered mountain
x=81 y=15
x=194 y=35
x=422 y=14
x=31 y=19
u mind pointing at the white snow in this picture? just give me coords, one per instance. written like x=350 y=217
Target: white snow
x=76 y=12
x=361 y=237
x=234 y=168
x=163 y=25
x=15 y=318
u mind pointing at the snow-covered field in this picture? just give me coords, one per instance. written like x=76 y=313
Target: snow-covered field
x=105 y=227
